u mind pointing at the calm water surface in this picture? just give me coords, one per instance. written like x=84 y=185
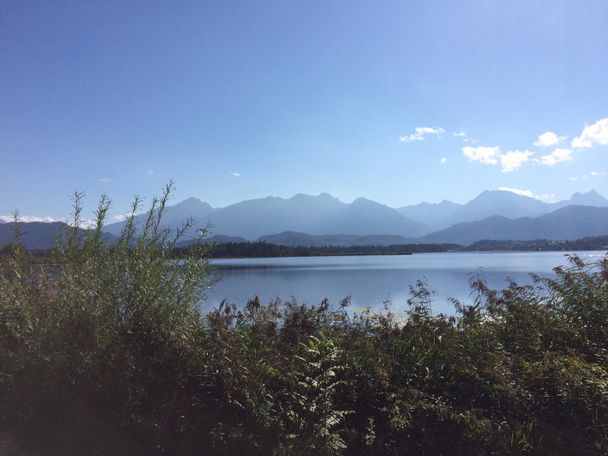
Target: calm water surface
x=369 y=280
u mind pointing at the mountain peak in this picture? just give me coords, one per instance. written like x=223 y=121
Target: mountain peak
x=361 y=200
x=439 y=204
x=320 y=196
x=591 y=192
x=323 y=214
x=192 y=202
x=328 y=196
x=505 y=193
x=590 y=198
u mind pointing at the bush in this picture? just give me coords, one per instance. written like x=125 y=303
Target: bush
x=103 y=350
x=99 y=337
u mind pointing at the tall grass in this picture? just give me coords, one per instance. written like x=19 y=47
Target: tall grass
x=106 y=352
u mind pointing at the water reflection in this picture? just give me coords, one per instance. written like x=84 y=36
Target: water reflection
x=369 y=280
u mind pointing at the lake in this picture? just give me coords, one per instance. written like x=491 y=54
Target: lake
x=370 y=280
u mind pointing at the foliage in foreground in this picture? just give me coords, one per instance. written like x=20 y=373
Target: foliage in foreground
x=106 y=352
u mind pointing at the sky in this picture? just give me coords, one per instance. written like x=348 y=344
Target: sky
x=398 y=102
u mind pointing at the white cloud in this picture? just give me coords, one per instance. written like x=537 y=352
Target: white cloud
x=85 y=223
x=105 y=180
x=88 y=224
x=29 y=218
x=547 y=197
x=421 y=133
x=150 y=171
x=557 y=156
x=482 y=154
x=509 y=161
x=465 y=138
x=235 y=174
x=591 y=135
x=123 y=217
x=517 y=191
x=596 y=133
x=513 y=160
x=443 y=160
x=548 y=139
x=587 y=176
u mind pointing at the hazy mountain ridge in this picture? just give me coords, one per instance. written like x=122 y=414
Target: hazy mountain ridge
x=292 y=238
x=501 y=203
x=590 y=198
x=38 y=235
x=493 y=202
x=567 y=223
x=432 y=214
x=325 y=220
x=174 y=216
x=322 y=214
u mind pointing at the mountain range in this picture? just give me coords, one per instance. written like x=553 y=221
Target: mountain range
x=325 y=215
x=319 y=215
x=489 y=203
x=567 y=223
x=325 y=220
x=38 y=235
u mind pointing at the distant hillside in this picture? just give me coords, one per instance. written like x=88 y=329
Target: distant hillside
x=174 y=216
x=291 y=238
x=36 y=235
x=587 y=243
x=571 y=222
x=221 y=239
x=217 y=239
x=500 y=203
x=590 y=198
x=324 y=220
x=497 y=203
x=429 y=214
x=365 y=217
x=321 y=214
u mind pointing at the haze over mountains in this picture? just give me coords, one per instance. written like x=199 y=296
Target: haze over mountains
x=323 y=215
x=489 y=203
x=325 y=220
x=320 y=215
x=567 y=223
x=37 y=235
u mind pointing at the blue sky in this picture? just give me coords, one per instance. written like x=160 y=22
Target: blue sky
x=396 y=101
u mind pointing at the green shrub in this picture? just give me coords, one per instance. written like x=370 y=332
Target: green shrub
x=103 y=332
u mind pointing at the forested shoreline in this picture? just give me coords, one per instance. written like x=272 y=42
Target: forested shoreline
x=268 y=250
x=264 y=249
